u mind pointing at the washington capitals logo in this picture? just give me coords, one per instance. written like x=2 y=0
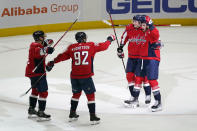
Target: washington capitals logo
x=138 y=39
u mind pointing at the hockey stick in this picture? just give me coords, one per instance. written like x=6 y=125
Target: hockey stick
x=171 y=25
x=33 y=85
x=47 y=54
x=112 y=24
x=58 y=41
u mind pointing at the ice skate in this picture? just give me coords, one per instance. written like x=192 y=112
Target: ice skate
x=43 y=117
x=73 y=117
x=94 y=119
x=132 y=103
x=128 y=102
x=157 y=106
x=148 y=99
x=32 y=113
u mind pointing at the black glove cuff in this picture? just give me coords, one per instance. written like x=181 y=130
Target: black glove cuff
x=51 y=63
x=119 y=49
x=50 y=50
x=151 y=27
x=109 y=38
x=121 y=45
x=48 y=68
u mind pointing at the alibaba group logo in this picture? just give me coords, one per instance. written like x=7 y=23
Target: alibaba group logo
x=19 y=11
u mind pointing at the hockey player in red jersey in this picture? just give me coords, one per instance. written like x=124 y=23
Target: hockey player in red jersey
x=152 y=59
x=37 y=52
x=135 y=37
x=82 y=55
x=150 y=53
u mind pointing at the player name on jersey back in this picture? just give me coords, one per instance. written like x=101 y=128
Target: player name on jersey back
x=81 y=48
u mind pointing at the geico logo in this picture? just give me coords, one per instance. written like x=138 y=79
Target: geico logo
x=16 y=11
x=147 y=6
x=64 y=8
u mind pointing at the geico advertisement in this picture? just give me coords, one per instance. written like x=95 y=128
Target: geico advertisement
x=156 y=8
x=25 y=13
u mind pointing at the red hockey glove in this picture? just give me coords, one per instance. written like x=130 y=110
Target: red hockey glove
x=48 y=42
x=120 y=55
x=149 y=22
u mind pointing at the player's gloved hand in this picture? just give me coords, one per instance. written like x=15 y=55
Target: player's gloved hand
x=111 y=38
x=120 y=55
x=157 y=45
x=120 y=48
x=149 y=23
x=49 y=66
x=120 y=51
x=50 y=50
x=48 y=42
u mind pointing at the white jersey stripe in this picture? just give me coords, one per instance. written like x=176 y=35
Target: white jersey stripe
x=33 y=96
x=42 y=99
x=90 y=102
x=74 y=99
x=123 y=38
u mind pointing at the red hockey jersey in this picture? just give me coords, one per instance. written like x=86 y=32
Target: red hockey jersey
x=146 y=50
x=135 y=37
x=82 y=55
x=36 y=54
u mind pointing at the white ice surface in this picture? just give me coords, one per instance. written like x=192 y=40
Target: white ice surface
x=178 y=77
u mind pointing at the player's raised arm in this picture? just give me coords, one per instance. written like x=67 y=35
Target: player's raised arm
x=61 y=57
x=104 y=45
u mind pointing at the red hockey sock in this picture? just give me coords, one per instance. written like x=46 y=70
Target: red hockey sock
x=131 y=78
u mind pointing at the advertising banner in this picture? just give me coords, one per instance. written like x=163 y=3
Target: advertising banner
x=16 y=13
x=125 y=9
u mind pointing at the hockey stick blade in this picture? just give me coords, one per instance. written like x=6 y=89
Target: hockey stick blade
x=171 y=25
x=107 y=22
x=23 y=94
x=110 y=24
x=26 y=91
x=176 y=25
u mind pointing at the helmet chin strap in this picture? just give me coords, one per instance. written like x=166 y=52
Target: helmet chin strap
x=84 y=40
x=41 y=41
